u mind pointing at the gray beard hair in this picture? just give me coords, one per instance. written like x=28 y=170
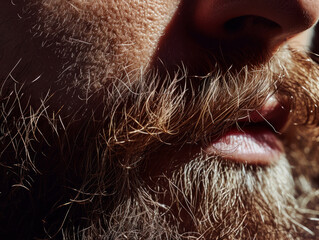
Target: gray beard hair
x=210 y=198
x=204 y=197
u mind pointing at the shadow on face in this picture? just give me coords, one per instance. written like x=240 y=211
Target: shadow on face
x=107 y=109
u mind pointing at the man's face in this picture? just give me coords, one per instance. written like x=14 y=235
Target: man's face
x=158 y=119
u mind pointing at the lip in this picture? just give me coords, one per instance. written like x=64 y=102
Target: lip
x=256 y=139
x=273 y=113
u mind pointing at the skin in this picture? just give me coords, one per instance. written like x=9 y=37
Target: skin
x=130 y=37
x=73 y=65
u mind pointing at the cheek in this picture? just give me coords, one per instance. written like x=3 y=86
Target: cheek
x=116 y=35
x=135 y=28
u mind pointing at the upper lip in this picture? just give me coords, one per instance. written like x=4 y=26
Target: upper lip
x=274 y=114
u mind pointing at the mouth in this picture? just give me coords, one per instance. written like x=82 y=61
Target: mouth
x=256 y=138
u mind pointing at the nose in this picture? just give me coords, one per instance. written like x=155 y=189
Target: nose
x=269 y=21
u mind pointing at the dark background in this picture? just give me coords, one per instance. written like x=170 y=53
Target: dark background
x=315 y=44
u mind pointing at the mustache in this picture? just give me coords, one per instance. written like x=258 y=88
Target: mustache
x=143 y=111
x=186 y=109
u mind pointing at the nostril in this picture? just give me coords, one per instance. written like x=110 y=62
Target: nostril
x=236 y=24
x=245 y=39
x=270 y=22
x=248 y=23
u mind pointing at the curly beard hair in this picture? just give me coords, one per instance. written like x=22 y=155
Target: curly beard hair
x=97 y=173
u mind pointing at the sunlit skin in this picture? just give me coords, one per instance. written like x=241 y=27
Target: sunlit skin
x=158 y=119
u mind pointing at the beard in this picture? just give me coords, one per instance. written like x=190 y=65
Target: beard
x=103 y=171
x=208 y=198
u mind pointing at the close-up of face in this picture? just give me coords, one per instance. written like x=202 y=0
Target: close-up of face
x=159 y=119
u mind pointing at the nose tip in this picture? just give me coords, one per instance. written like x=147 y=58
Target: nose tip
x=269 y=21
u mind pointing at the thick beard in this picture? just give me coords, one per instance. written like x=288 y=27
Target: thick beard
x=210 y=198
x=201 y=197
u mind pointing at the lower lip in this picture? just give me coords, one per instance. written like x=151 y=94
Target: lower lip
x=252 y=145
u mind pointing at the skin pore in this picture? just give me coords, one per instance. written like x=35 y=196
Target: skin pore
x=107 y=108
